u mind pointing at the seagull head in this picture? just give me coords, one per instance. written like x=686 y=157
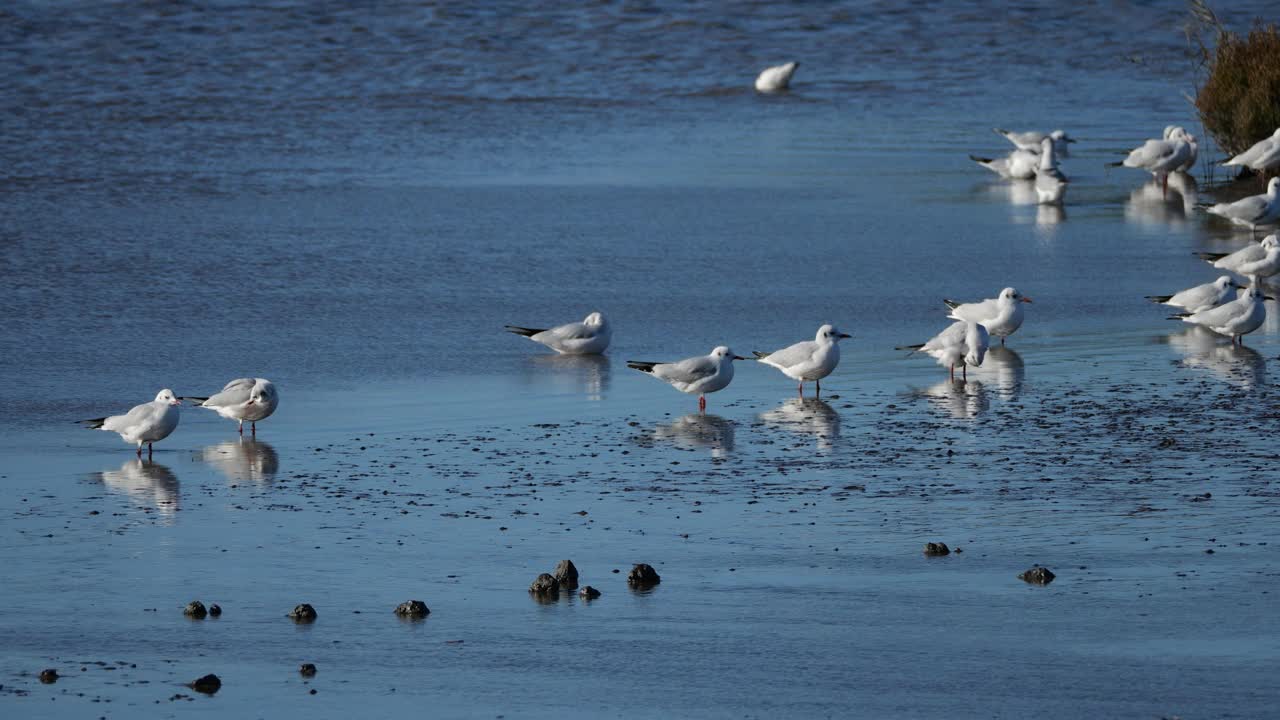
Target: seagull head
x=724 y=353
x=830 y=333
x=1061 y=136
x=595 y=319
x=1012 y=295
x=166 y=396
x=1273 y=186
x=1272 y=240
x=1223 y=282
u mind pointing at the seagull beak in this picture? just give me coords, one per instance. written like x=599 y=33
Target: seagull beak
x=1267 y=297
x=738 y=357
x=175 y=401
x=843 y=336
x=1026 y=299
x=1070 y=140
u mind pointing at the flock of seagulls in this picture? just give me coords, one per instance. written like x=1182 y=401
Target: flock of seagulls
x=243 y=399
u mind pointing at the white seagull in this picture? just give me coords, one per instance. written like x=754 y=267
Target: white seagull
x=1159 y=157
x=243 y=399
x=809 y=359
x=962 y=343
x=1200 y=297
x=1234 y=319
x=1262 y=156
x=145 y=423
x=701 y=374
x=1001 y=315
x=1033 y=140
x=1171 y=131
x=589 y=337
x=1019 y=164
x=776 y=78
x=1262 y=259
x=1051 y=184
x=1254 y=210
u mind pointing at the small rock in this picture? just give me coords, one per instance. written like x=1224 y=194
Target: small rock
x=303 y=613
x=307 y=669
x=1037 y=576
x=215 y=610
x=545 y=584
x=566 y=574
x=48 y=676
x=209 y=684
x=588 y=593
x=936 y=549
x=413 y=609
x=643 y=575
x=195 y=609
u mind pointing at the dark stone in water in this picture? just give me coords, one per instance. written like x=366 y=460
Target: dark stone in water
x=588 y=593
x=215 y=610
x=209 y=684
x=307 y=669
x=934 y=549
x=1037 y=576
x=48 y=676
x=303 y=613
x=566 y=574
x=195 y=609
x=545 y=584
x=413 y=609
x=643 y=575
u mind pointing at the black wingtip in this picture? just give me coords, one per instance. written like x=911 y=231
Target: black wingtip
x=1159 y=298
x=93 y=424
x=759 y=355
x=523 y=331
x=981 y=160
x=641 y=365
x=950 y=303
x=188 y=398
x=912 y=348
x=1211 y=257
x=1116 y=164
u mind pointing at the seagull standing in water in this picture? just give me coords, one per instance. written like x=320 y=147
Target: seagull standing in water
x=242 y=399
x=1160 y=157
x=963 y=343
x=701 y=374
x=776 y=78
x=1051 y=184
x=1200 y=297
x=1234 y=319
x=1262 y=156
x=809 y=359
x=1254 y=210
x=1018 y=165
x=1034 y=140
x=1001 y=315
x=589 y=337
x=145 y=423
x=1262 y=259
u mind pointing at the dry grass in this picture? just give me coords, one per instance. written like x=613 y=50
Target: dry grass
x=1239 y=99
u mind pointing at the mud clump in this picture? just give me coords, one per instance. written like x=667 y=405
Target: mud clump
x=48 y=676
x=195 y=609
x=643 y=576
x=303 y=613
x=413 y=609
x=215 y=610
x=209 y=684
x=936 y=549
x=588 y=593
x=1037 y=576
x=566 y=574
x=545 y=584
x=307 y=669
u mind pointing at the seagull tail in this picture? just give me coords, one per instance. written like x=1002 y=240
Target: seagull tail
x=641 y=365
x=1119 y=163
x=94 y=424
x=912 y=348
x=951 y=303
x=979 y=160
x=1000 y=131
x=523 y=331
x=1211 y=257
x=759 y=355
x=1159 y=298
x=194 y=399
x=1178 y=316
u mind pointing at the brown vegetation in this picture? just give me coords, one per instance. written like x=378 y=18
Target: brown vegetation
x=1239 y=99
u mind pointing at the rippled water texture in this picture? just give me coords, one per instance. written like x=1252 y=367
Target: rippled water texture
x=353 y=201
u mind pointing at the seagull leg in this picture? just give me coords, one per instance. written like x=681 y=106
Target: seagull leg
x=800 y=388
x=150 y=449
x=139 y=449
x=817 y=385
x=964 y=373
x=253 y=428
x=242 y=427
x=702 y=403
x=951 y=373
x=1001 y=341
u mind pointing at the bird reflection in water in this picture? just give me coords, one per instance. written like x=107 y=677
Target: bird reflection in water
x=243 y=460
x=585 y=374
x=698 y=431
x=1203 y=349
x=807 y=416
x=1004 y=370
x=1150 y=204
x=956 y=398
x=147 y=483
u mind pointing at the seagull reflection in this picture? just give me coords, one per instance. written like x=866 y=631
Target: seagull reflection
x=959 y=399
x=1151 y=205
x=1004 y=369
x=148 y=483
x=1050 y=216
x=586 y=374
x=1016 y=192
x=1238 y=365
x=809 y=416
x=696 y=432
x=243 y=460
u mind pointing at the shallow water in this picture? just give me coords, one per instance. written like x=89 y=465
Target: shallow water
x=353 y=203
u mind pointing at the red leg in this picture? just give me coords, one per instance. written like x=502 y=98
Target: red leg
x=253 y=428
x=702 y=402
x=241 y=427
x=951 y=373
x=139 y=449
x=800 y=388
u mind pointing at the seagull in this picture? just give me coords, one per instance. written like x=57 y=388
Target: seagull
x=589 y=337
x=1262 y=156
x=1159 y=157
x=145 y=423
x=809 y=359
x=1018 y=165
x=1234 y=319
x=1261 y=259
x=1051 y=184
x=1033 y=140
x=1200 y=297
x=776 y=78
x=1171 y=131
x=1254 y=210
x=701 y=374
x=251 y=399
x=1001 y=316
x=963 y=343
